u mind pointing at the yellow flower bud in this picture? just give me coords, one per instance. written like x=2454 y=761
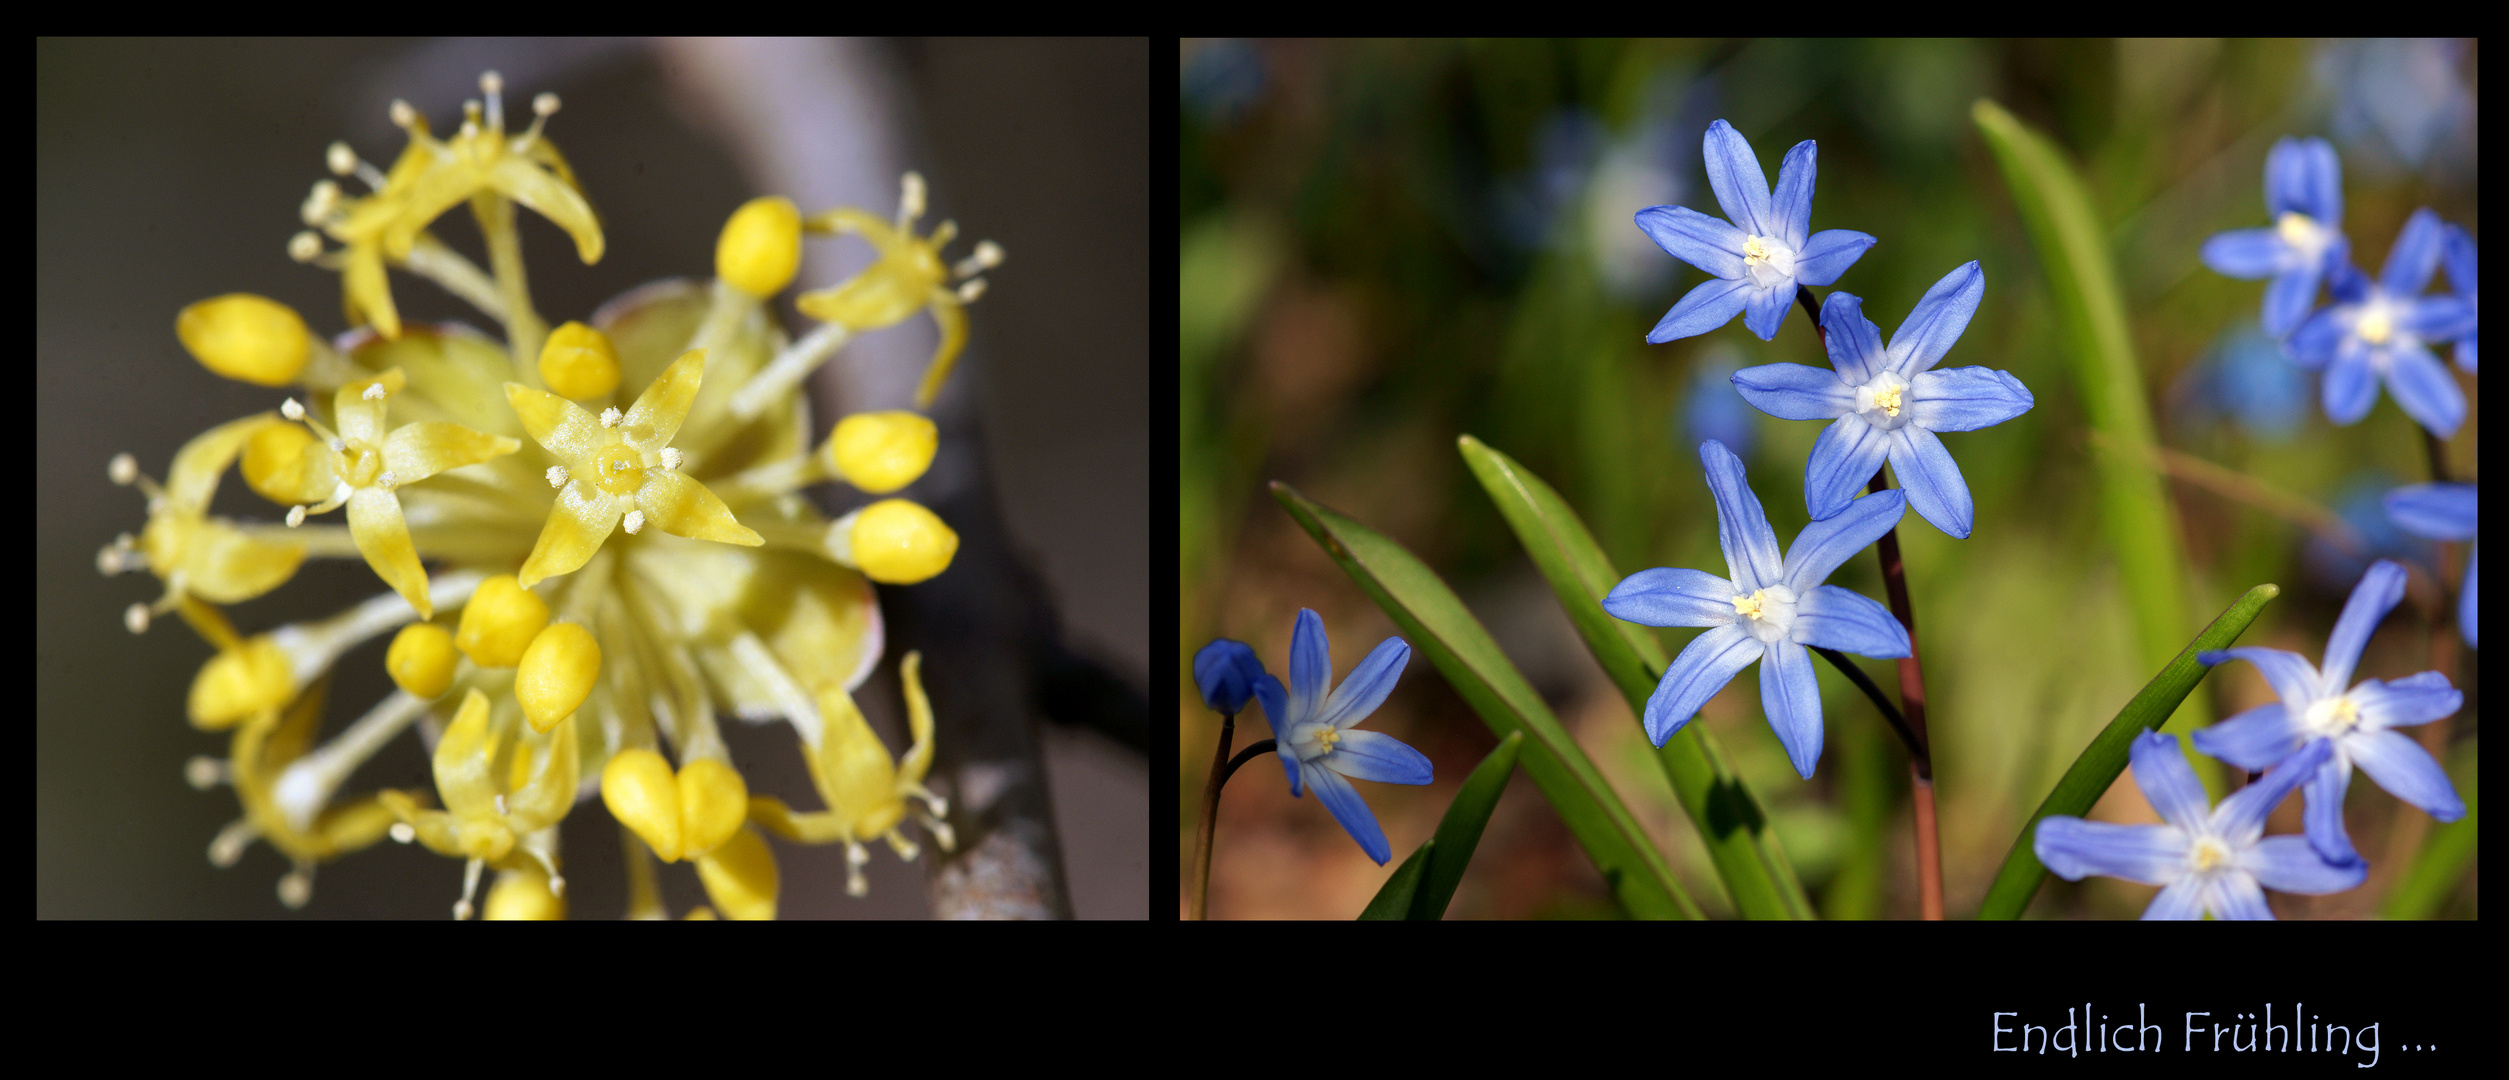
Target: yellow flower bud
x=246 y=338
x=896 y=542
x=714 y=801
x=421 y=659
x=500 y=622
x=761 y=246
x=637 y=787
x=740 y=877
x=579 y=362
x=239 y=682
x=523 y=894
x=277 y=465
x=556 y=673
x=881 y=452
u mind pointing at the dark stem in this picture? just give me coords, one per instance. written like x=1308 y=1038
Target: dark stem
x=1912 y=702
x=1198 y=904
x=1803 y=296
x=2438 y=452
x=1251 y=752
x=1890 y=712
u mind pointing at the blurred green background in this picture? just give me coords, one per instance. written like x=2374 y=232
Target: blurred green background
x=1385 y=245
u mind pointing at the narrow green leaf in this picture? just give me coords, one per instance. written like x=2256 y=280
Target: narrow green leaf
x=1393 y=902
x=1438 y=624
x=1739 y=840
x=2100 y=763
x=2440 y=868
x=2141 y=523
x=1460 y=830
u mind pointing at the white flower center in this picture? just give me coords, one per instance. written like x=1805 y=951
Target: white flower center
x=2303 y=234
x=2207 y=854
x=1767 y=613
x=1768 y=260
x=2377 y=321
x=1884 y=402
x=2332 y=717
x=1314 y=741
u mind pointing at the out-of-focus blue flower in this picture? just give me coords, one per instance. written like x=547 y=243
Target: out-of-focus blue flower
x=1221 y=80
x=2375 y=331
x=2214 y=859
x=2317 y=707
x=1764 y=608
x=2247 y=378
x=1227 y=672
x=2304 y=196
x=1755 y=261
x=1713 y=411
x=2375 y=537
x=2441 y=512
x=1313 y=729
x=2404 y=90
x=2457 y=254
x=1889 y=403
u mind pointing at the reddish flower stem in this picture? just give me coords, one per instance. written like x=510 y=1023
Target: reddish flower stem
x=1222 y=767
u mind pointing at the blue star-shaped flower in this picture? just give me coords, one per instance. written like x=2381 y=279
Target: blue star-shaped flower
x=2206 y=858
x=2375 y=330
x=1227 y=672
x=2441 y=512
x=1888 y=404
x=1316 y=743
x=1764 y=608
x=2457 y=253
x=2359 y=721
x=2304 y=194
x=1754 y=261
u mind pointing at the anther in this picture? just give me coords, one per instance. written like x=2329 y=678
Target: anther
x=910 y=200
x=320 y=202
x=635 y=522
x=296 y=887
x=671 y=457
x=373 y=391
x=611 y=416
x=968 y=292
x=339 y=445
x=291 y=409
x=557 y=476
x=123 y=469
x=557 y=884
x=402 y=115
x=987 y=256
x=401 y=832
x=204 y=772
x=135 y=618
x=231 y=841
x=341 y=159
x=295 y=515
x=544 y=104
x=500 y=801
x=387 y=481
x=305 y=246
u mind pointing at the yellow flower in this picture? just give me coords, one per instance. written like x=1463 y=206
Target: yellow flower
x=618 y=468
x=480 y=159
x=908 y=278
x=866 y=792
x=260 y=754
x=499 y=786
x=368 y=464
x=197 y=556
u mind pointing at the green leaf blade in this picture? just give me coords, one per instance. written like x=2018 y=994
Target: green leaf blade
x=1459 y=832
x=1393 y=902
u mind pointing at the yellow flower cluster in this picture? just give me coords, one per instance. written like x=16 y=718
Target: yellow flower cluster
x=593 y=538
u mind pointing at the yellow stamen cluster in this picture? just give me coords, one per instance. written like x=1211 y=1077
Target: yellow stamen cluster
x=591 y=538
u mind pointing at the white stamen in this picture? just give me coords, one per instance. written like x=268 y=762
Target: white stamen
x=320 y=202
x=987 y=256
x=635 y=522
x=401 y=832
x=341 y=159
x=373 y=391
x=402 y=115
x=339 y=445
x=204 y=772
x=557 y=476
x=295 y=515
x=123 y=469
x=231 y=841
x=611 y=416
x=135 y=618
x=671 y=457
x=968 y=292
x=910 y=200
x=500 y=801
x=291 y=409
x=618 y=464
x=544 y=104
x=557 y=884
x=296 y=887
x=305 y=246
x=493 y=85
x=387 y=481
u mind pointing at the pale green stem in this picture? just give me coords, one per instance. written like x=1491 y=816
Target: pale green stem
x=307 y=783
x=430 y=259
x=523 y=328
x=770 y=480
x=789 y=368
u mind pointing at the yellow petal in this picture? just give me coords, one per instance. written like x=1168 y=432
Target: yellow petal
x=520 y=180
x=713 y=803
x=344 y=829
x=953 y=323
x=438 y=830
x=366 y=294
x=560 y=426
x=740 y=877
x=774 y=816
x=440 y=186
x=224 y=565
x=551 y=793
x=285 y=464
x=581 y=520
x=679 y=505
x=852 y=770
x=246 y=337
x=655 y=418
x=918 y=759
x=462 y=766
x=414 y=452
x=638 y=788
x=244 y=681
x=193 y=478
x=359 y=418
x=557 y=673
x=374 y=521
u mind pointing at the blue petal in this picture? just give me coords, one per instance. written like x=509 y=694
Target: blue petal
x=1765 y=309
x=2234 y=897
x=1790 y=210
x=1375 y=755
x=2380 y=590
x=2288 y=299
x=2465 y=602
x=2321 y=195
x=1828 y=254
x=1704 y=667
x=1712 y=304
x=2351 y=386
x=2073 y=849
x=1695 y=238
x=2168 y=783
x=2254 y=740
x=2415 y=256
x=2183 y=900
x=1289 y=764
x=2406 y=770
x=1352 y=811
x=1843 y=461
x=2465 y=353
x=2289 y=864
x=2436 y=318
x=1855 y=344
x=1795 y=391
x=1966 y=399
x=1790 y=693
x=1225 y=671
x=1310 y=666
x=2245 y=253
x=2302 y=176
x=2314 y=343
x=1830 y=617
x=1275 y=699
x=1935 y=488
x=2423 y=387
x=2436 y=511
x=2457 y=251
x=2323 y=819
x=1824 y=545
x=1668 y=597
x=1741 y=526
x=2241 y=817
x=2346 y=281
x=1938 y=320
x=1734 y=174
x=2405 y=702
x=1366 y=687
x=2291 y=675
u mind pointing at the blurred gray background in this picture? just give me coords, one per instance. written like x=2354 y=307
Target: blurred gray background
x=171 y=171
